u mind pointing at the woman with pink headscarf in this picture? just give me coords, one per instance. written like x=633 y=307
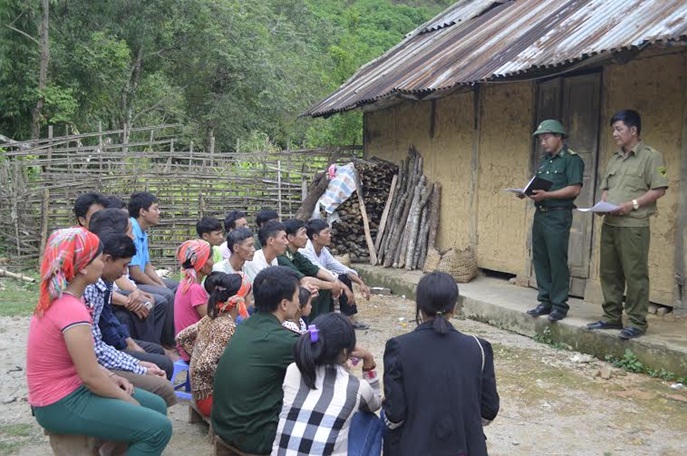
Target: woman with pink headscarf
x=191 y=299
x=69 y=392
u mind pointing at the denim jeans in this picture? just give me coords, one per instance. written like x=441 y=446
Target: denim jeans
x=365 y=435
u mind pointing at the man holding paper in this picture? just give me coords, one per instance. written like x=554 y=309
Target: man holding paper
x=553 y=218
x=635 y=178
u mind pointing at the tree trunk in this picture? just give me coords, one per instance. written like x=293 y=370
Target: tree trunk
x=130 y=95
x=317 y=188
x=43 y=70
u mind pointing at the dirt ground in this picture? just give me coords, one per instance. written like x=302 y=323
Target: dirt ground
x=553 y=402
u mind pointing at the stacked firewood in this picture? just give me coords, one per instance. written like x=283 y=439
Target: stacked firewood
x=348 y=233
x=411 y=219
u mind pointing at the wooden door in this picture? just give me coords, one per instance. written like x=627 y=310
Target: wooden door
x=575 y=102
x=581 y=98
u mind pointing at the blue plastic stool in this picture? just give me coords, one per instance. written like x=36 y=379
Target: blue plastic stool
x=182 y=390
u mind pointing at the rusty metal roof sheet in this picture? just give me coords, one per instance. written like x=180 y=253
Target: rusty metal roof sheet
x=478 y=40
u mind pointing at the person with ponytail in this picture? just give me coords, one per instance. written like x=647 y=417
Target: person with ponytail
x=319 y=385
x=191 y=299
x=439 y=384
x=69 y=392
x=297 y=324
x=207 y=339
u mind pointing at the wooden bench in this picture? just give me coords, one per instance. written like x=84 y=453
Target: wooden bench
x=83 y=445
x=222 y=448
x=194 y=416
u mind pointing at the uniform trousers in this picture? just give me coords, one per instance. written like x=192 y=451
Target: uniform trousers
x=624 y=261
x=550 y=236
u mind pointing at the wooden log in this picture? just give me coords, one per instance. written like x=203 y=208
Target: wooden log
x=385 y=214
x=400 y=213
x=435 y=209
x=421 y=254
x=415 y=240
x=411 y=228
x=318 y=187
x=366 y=227
x=395 y=204
x=6 y=273
x=396 y=242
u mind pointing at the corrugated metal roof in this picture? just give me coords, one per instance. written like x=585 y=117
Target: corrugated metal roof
x=478 y=40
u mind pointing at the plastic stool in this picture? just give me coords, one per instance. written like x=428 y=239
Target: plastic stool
x=182 y=390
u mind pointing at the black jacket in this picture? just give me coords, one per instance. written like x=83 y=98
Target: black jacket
x=435 y=388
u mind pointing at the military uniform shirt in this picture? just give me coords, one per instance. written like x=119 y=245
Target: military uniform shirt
x=298 y=263
x=563 y=169
x=628 y=177
x=248 y=391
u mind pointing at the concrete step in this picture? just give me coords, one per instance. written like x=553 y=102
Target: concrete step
x=501 y=304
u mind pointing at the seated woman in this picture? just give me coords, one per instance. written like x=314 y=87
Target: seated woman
x=207 y=339
x=69 y=392
x=319 y=384
x=439 y=384
x=191 y=299
x=297 y=325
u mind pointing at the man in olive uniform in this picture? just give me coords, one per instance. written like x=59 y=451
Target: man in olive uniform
x=634 y=179
x=552 y=220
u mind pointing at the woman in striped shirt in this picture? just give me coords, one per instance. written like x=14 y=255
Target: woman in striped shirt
x=321 y=396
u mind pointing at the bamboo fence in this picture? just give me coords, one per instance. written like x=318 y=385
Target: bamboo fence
x=39 y=181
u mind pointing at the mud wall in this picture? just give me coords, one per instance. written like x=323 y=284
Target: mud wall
x=504 y=161
x=476 y=212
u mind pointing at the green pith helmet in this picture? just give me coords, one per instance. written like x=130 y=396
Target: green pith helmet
x=551 y=126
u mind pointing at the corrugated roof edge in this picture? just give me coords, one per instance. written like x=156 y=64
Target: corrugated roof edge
x=499 y=78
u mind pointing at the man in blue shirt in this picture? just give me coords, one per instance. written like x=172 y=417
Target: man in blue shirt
x=144 y=211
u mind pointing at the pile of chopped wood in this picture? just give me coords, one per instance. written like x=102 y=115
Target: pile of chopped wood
x=393 y=223
x=348 y=233
x=411 y=218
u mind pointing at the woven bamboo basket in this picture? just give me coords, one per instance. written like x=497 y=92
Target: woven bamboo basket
x=460 y=264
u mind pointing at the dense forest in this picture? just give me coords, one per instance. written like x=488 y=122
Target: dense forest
x=239 y=70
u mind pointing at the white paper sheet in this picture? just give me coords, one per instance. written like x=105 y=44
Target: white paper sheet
x=601 y=206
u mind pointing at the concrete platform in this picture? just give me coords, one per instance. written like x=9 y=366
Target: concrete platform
x=501 y=304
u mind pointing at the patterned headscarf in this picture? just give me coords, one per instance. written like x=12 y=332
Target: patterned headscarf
x=196 y=252
x=66 y=253
x=239 y=299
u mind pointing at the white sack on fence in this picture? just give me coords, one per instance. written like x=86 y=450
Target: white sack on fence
x=339 y=189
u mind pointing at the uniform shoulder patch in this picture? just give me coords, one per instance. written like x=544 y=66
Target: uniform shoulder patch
x=572 y=152
x=661 y=170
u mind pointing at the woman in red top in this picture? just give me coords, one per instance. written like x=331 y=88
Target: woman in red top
x=69 y=392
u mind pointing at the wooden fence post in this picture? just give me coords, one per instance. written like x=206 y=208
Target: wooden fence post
x=279 y=186
x=45 y=204
x=212 y=150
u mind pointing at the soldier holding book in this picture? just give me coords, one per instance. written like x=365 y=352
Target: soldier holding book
x=553 y=218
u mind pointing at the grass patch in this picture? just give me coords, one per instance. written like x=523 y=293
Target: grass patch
x=547 y=337
x=13 y=437
x=17 y=298
x=16 y=430
x=630 y=363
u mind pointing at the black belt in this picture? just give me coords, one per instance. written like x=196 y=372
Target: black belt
x=554 y=208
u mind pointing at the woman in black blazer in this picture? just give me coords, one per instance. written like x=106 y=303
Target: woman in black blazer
x=439 y=384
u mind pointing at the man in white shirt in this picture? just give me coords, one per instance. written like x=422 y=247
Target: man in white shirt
x=242 y=247
x=320 y=237
x=233 y=221
x=272 y=237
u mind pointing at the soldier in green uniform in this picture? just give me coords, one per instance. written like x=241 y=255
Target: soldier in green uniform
x=634 y=179
x=553 y=218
